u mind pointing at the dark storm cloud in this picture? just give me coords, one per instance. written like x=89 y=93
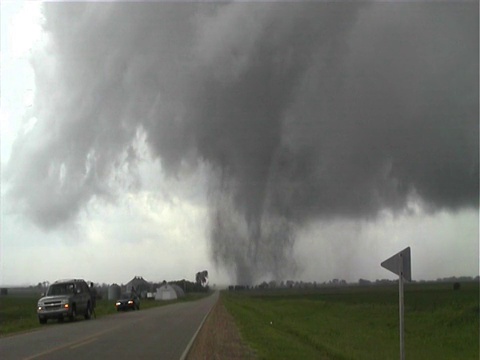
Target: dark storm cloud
x=302 y=111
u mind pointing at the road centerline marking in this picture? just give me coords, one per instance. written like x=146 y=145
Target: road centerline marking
x=84 y=343
x=72 y=344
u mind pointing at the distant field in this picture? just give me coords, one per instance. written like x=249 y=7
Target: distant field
x=18 y=311
x=359 y=322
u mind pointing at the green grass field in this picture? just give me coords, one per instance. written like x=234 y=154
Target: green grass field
x=359 y=322
x=18 y=313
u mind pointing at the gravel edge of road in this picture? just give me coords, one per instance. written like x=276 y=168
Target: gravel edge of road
x=219 y=338
x=194 y=337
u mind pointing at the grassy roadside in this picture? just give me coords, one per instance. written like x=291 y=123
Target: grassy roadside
x=18 y=313
x=359 y=323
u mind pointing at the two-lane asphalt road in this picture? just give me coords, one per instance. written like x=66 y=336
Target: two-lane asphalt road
x=158 y=333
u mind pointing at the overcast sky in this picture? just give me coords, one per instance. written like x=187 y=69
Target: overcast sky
x=258 y=141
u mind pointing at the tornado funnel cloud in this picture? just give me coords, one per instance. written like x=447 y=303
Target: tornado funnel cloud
x=301 y=112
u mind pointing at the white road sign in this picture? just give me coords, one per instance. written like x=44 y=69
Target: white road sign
x=400 y=264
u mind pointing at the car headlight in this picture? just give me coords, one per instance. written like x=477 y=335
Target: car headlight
x=130 y=302
x=39 y=307
x=118 y=303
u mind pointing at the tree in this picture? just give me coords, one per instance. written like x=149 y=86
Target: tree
x=201 y=278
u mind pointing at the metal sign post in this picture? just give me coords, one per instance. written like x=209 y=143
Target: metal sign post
x=401 y=310
x=400 y=264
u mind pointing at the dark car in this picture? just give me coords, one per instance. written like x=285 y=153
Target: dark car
x=128 y=301
x=65 y=299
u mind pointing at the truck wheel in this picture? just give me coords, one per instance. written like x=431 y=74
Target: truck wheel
x=88 y=313
x=73 y=315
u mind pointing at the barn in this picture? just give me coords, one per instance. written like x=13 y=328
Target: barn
x=166 y=292
x=178 y=290
x=139 y=285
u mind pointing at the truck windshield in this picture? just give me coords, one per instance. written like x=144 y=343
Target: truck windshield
x=60 y=289
x=126 y=296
